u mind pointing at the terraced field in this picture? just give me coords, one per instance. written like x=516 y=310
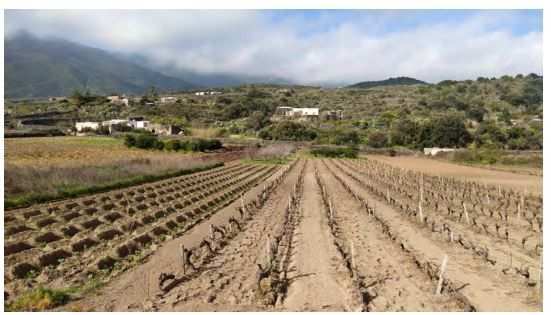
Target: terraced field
x=312 y=235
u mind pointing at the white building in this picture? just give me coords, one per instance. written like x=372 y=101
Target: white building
x=435 y=151
x=203 y=93
x=87 y=125
x=139 y=124
x=115 y=122
x=168 y=99
x=297 y=112
x=115 y=99
x=305 y=112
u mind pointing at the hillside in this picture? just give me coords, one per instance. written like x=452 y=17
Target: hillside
x=387 y=82
x=50 y=67
x=503 y=113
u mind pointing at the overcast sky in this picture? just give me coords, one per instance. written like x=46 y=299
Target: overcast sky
x=311 y=46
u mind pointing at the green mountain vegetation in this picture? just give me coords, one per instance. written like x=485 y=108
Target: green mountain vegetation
x=37 y=67
x=387 y=82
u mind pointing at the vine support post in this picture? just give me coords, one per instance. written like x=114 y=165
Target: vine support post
x=441 y=275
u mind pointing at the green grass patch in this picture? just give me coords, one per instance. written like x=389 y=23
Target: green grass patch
x=78 y=191
x=39 y=299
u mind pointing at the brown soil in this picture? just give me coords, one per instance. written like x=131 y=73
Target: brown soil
x=532 y=183
x=316 y=235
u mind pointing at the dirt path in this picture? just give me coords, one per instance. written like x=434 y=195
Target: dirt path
x=486 y=289
x=320 y=281
x=506 y=179
x=393 y=281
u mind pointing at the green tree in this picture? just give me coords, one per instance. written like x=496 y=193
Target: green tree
x=444 y=131
x=377 y=139
x=404 y=132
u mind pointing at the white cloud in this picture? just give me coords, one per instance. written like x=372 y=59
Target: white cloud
x=249 y=42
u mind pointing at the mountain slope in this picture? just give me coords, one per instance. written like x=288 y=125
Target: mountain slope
x=390 y=81
x=50 y=67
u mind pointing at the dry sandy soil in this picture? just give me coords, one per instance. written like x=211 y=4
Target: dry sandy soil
x=532 y=183
x=339 y=235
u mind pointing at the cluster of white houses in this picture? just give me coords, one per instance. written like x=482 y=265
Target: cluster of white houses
x=203 y=93
x=307 y=113
x=133 y=123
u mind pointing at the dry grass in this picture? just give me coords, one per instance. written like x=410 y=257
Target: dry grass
x=49 y=166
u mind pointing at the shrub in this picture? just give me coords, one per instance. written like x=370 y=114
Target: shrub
x=288 y=130
x=39 y=299
x=377 y=139
x=172 y=145
x=202 y=145
x=129 y=140
x=331 y=152
x=145 y=141
x=347 y=137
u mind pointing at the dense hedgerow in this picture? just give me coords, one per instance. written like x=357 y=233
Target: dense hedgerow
x=148 y=141
x=346 y=152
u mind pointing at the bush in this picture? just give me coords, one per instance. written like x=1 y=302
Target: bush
x=377 y=139
x=173 y=145
x=331 y=152
x=202 y=145
x=39 y=299
x=288 y=130
x=129 y=140
x=347 y=137
x=145 y=141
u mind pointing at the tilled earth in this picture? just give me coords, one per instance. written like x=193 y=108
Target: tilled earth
x=334 y=235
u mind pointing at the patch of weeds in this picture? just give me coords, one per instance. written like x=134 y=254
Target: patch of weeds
x=39 y=299
x=268 y=161
x=31 y=274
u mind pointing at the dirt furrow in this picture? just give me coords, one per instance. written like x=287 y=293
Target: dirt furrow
x=503 y=255
x=483 y=287
x=231 y=280
x=319 y=278
x=136 y=289
x=390 y=279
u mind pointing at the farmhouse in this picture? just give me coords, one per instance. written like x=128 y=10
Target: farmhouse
x=80 y=126
x=168 y=99
x=161 y=129
x=138 y=122
x=119 y=100
x=285 y=112
x=57 y=99
x=435 y=151
x=203 y=93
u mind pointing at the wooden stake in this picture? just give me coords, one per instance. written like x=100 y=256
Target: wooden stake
x=441 y=275
x=269 y=249
x=352 y=254
x=183 y=253
x=466 y=213
x=330 y=210
x=211 y=227
x=421 y=199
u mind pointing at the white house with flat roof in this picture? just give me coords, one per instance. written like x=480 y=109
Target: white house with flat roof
x=79 y=126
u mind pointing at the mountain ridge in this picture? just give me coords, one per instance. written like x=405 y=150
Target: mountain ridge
x=387 y=82
x=36 y=67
